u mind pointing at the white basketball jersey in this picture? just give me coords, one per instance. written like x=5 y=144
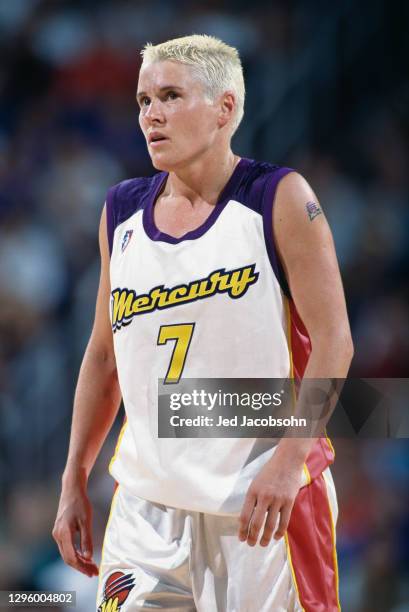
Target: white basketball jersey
x=223 y=287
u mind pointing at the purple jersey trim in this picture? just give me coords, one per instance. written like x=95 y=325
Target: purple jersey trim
x=268 y=204
x=230 y=188
x=125 y=199
x=110 y=211
x=252 y=183
x=257 y=192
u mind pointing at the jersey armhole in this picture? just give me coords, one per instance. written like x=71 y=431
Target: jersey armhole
x=110 y=214
x=268 y=205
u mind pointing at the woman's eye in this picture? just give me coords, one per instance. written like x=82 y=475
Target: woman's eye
x=145 y=101
x=171 y=95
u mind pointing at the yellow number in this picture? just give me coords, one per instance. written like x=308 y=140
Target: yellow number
x=182 y=333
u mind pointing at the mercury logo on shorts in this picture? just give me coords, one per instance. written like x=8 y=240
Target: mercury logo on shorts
x=126 y=304
x=116 y=590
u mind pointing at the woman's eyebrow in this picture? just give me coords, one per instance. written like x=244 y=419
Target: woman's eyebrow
x=164 y=88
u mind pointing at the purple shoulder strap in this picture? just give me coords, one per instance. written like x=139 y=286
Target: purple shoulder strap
x=125 y=199
x=257 y=191
x=268 y=205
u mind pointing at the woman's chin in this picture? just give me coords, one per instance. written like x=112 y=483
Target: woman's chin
x=161 y=163
x=169 y=163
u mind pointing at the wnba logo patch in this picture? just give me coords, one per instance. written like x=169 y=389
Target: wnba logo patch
x=126 y=239
x=116 y=590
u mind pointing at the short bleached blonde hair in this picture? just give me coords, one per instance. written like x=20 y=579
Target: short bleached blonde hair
x=216 y=64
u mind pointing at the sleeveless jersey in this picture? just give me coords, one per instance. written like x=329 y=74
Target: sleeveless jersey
x=223 y=282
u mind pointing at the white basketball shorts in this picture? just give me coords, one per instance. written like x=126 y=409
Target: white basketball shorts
x=162 y=558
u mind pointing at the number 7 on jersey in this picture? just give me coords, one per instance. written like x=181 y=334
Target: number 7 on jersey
x=182 y=333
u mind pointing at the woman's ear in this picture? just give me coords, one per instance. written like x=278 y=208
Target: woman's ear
x=227 y=106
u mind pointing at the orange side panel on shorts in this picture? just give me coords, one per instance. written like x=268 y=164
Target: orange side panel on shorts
x=320 y=457
x=300 y=343
x=322 y=453
x=312 y=548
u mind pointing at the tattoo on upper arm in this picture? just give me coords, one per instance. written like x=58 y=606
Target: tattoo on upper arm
x=313 y=210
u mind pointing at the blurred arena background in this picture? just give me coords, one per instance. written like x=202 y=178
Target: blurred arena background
x=326 y=94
